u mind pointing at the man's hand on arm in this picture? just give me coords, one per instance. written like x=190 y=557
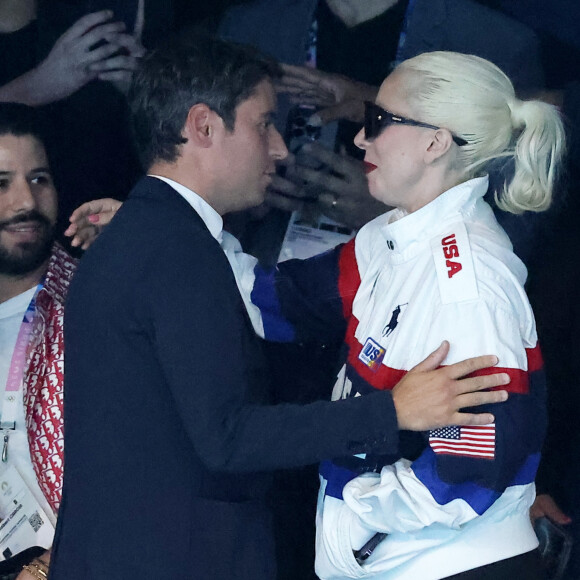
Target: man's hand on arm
x=429 y=397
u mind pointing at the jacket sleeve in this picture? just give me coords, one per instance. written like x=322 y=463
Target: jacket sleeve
x=463 y=470
x=299 y=300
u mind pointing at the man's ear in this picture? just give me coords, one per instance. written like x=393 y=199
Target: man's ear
x=201 y=125
x=439 y=145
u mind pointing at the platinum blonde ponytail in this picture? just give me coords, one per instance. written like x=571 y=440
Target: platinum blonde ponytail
x=474 y=99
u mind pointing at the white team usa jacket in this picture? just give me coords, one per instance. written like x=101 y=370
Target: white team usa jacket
x=455 y=498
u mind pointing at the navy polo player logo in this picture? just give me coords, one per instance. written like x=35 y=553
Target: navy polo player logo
x=392 y=324
x=372 y=353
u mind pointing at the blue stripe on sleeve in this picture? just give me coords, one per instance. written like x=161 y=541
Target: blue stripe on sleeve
x=527 y=473
x=264 y=296
x=478 y=497
x=337 y=477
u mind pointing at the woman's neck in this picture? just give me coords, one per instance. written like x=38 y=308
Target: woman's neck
x=433 y=183
x=354 y=12
x=16 y=14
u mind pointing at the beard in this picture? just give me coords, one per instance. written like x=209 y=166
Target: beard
x=27 y=256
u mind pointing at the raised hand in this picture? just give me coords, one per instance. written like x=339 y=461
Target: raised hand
x=93 y=46
x=335 y=96
x=119 y=68
x=343 y=189
x=289 y=192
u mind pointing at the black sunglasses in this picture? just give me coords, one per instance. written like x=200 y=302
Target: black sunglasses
x=376 y=119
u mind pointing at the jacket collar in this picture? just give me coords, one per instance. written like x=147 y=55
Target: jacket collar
x=212 y=219
x=402 y=230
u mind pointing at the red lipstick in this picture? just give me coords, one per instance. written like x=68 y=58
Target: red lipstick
x=369 y=167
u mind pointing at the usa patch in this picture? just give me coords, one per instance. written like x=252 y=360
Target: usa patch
x=372 y=354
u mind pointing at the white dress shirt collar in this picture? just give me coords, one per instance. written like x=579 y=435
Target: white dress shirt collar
x=212 y=219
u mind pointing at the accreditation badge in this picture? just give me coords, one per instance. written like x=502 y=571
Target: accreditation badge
x=24 y=523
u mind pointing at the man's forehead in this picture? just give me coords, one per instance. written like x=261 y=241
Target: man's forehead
x=262 y=99
x=13 y=146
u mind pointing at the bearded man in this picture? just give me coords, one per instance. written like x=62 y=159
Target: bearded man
x=34 y=276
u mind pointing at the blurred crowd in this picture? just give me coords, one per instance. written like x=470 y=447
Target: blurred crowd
x=73 y=61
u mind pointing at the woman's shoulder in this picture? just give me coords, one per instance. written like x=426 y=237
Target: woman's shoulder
x=474 y=260
x=500 y=274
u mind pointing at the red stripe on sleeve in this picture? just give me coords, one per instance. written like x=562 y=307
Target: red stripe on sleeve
x=519 y=383
x=535 y=360
x=385 y=377
x=348 y=277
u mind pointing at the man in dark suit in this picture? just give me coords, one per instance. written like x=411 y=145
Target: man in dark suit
x=169 y=437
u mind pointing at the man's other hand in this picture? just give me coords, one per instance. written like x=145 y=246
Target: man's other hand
x=429 y=397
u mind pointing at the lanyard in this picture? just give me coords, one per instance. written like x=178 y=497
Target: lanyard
x=15 y=375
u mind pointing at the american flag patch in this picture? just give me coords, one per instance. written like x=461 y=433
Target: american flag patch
x=478 y=441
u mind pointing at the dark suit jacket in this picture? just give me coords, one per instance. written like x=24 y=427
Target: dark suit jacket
x=168 y=438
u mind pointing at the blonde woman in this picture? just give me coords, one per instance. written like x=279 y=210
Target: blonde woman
x=439 y=266
x=453 y=502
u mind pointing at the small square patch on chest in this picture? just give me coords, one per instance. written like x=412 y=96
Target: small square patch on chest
x=372 y=354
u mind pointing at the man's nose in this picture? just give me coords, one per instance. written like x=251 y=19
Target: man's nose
x=278 y=149
x=21 y=196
